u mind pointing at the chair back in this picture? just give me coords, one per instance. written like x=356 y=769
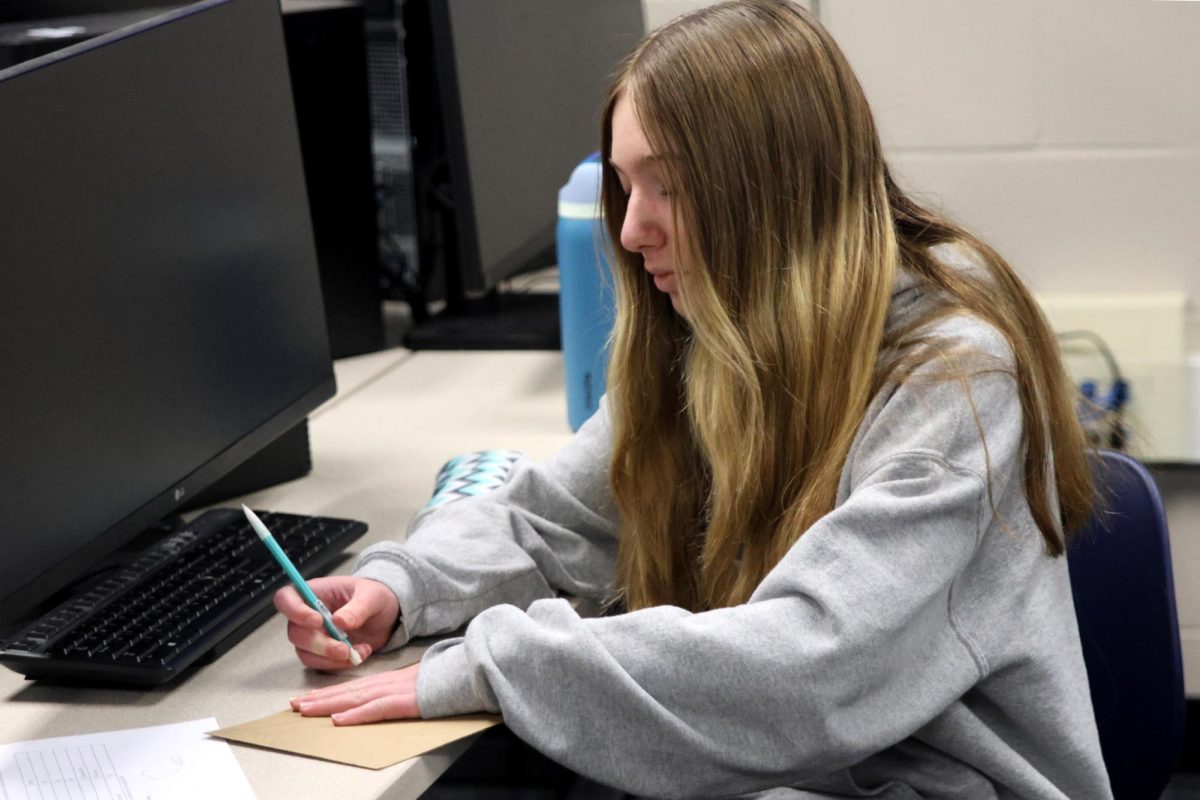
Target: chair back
x=1120 y=566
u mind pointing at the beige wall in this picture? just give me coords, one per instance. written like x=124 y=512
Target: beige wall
x=1067 y=133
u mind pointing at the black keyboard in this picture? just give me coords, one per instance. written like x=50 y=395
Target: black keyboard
x=185 y=600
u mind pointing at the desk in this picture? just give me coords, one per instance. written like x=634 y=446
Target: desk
x=377 y=446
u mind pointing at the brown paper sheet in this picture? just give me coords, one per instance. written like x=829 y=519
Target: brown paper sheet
x=374 y=746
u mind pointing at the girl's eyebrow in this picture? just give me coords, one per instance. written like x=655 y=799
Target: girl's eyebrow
x=642 y=161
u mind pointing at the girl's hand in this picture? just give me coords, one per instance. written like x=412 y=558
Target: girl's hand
x=386 y=695
x=365 y=609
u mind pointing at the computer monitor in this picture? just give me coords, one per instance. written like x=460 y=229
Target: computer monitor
x=327 y=62
x=504 y=101
x=160 y=308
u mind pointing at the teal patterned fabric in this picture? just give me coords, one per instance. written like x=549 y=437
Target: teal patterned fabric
x=472 y=474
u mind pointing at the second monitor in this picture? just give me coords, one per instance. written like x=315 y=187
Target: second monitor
x=504 y=101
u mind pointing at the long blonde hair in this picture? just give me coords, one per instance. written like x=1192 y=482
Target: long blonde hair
x=731 y=428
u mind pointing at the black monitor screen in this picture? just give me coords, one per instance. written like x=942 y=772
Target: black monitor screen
x=522 y=82
x=160 y=309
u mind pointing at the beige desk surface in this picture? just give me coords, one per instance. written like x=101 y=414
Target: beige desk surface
x=376 y=448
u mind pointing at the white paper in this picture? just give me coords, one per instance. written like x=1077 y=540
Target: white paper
x=160 y=763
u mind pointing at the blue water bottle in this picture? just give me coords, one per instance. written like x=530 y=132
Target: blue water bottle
x=585 y=298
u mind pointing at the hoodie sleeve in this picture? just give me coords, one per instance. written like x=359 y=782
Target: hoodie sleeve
x=549 y=529
x=849 y=645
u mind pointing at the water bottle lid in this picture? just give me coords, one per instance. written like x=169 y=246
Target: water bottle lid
x=580 y=197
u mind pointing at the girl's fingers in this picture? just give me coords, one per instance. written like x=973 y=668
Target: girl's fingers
x=392 y=706
x=385 y=695
x=316 y=641
x=322 y=663
x=371 y=602
x=328 y=704
x=356 y=692
x=322 y=651
x=287 y=602
x=336 y=659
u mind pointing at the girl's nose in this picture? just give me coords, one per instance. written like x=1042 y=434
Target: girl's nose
x=639 y=229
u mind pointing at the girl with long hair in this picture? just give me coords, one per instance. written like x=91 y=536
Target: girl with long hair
x=825 y=500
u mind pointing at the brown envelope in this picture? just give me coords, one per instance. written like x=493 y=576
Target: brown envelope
x=374 y=746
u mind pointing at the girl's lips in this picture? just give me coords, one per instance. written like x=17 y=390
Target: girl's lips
x=664 y=281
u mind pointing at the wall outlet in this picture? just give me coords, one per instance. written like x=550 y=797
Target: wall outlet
x=1145 y=333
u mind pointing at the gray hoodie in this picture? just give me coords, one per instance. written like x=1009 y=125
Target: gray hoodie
x=916 y=642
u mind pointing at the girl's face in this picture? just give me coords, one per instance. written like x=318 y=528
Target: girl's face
x=649 y=228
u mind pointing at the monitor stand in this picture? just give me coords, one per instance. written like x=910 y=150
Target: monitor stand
x=496 y=321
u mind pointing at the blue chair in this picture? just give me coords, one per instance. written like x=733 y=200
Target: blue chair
x=1120 y=567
